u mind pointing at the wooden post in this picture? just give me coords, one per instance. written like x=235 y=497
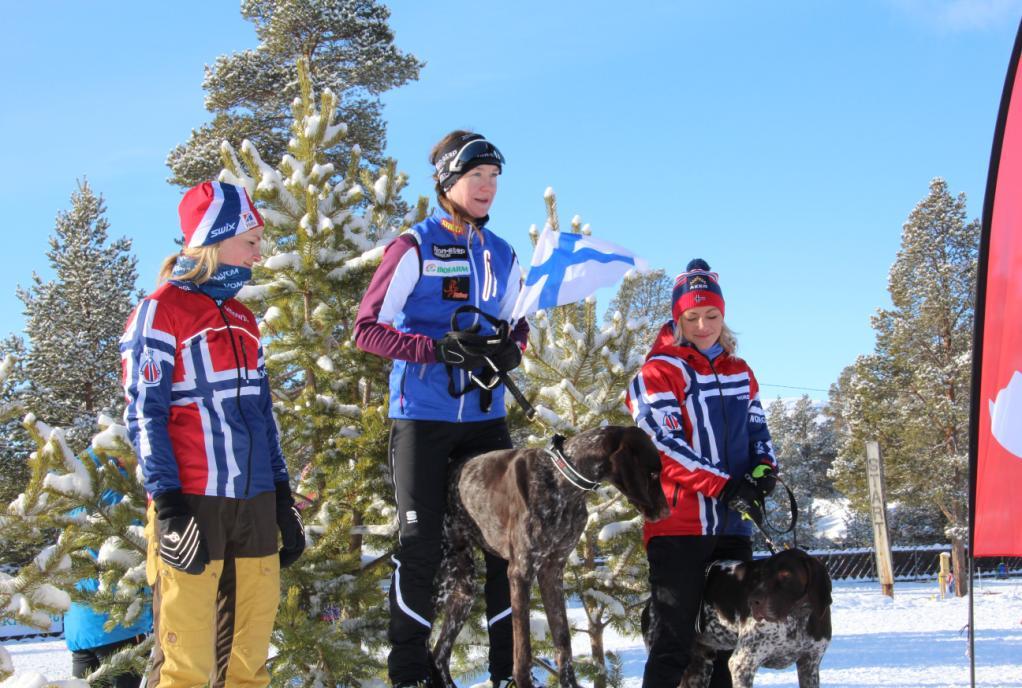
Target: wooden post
x=945 y=569
x=878 y=514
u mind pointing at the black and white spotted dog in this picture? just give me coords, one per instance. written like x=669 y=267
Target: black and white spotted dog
x=772 y=612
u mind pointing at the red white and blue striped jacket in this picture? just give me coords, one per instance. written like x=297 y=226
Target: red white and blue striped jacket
x=706 y=419
x=199 y=411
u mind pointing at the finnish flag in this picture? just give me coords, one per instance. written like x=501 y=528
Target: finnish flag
x=569 y=267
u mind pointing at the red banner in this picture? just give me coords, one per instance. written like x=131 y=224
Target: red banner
x=997 y=404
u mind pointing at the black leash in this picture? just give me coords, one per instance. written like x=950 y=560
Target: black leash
x=793 y=505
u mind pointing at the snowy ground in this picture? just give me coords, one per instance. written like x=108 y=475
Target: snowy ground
x=911 y=641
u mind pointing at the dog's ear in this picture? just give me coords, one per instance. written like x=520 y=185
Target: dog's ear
x=635 y=466
x=819 y=593
x=623 y=451
x=522 y=479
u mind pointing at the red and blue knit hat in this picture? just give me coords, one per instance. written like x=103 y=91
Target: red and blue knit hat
x=214 y=211
x=695 y=287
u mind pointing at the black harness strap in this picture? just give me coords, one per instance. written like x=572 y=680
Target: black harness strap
x=486 y=380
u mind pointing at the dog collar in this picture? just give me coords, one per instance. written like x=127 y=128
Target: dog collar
x=556 y=453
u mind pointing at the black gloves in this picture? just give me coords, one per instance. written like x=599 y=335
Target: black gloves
x=179 y=539
x=507 y=356
x=292 y=532
x=469 y=351
x=743 y=495
x=765 y=478
x=461 y=350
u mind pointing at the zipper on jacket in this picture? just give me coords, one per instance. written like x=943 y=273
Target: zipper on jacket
x=241 y=411
x=475 y=317
x=674 y=499
x=723 y=410
x=722 y=522
x=401 y=397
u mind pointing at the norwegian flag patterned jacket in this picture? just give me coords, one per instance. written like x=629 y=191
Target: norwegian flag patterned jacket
x=706 y=419
x=199 y=412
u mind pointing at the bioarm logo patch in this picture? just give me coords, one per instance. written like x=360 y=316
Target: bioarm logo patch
x=449 y=268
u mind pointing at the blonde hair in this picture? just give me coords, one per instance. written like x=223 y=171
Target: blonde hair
x=459 y=215
x=206 y=258
x=727 y=340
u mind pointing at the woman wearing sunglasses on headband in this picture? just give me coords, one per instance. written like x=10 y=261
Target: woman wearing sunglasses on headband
x=441 y=416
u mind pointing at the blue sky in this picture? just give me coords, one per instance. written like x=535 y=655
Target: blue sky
x=785 y=143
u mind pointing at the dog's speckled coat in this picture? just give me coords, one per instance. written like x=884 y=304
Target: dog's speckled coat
x=517 y=505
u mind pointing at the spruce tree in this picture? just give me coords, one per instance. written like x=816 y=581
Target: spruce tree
x=912 y=393
x=15 y=444
x=644 y=296
x=575 y=373
x=75 y=320
x=322 y=242
x=70 y=516
x=804 y=444
x=349 y=49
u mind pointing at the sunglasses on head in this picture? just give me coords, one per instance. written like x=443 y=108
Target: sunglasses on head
x=479 y=148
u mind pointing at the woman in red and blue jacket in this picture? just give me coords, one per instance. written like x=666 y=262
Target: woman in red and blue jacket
x=439 y=417
x=700 y=405
x=199 y=414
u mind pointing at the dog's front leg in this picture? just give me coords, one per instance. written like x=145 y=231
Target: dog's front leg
x=742 y=665
x=551 y=588
x=521 y=582
x=809 y=670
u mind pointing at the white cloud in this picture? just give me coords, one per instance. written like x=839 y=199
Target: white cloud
x=963 y=15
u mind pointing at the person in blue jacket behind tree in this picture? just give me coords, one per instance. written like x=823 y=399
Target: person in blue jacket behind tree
x=440 y=415
x=84 y=628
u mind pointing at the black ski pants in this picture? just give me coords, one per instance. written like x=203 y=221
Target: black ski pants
x=422 y=455
x=677 y=571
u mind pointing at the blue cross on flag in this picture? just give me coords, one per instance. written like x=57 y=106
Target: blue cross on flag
x=569 y=267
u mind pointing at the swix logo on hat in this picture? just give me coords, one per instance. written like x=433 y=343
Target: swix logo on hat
x=214 y=211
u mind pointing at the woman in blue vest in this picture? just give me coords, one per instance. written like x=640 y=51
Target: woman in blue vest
x=440 y=414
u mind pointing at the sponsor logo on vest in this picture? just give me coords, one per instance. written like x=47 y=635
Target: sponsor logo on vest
x=435 y=268
x=455 y=289
x=456 y=230
x=449 y=252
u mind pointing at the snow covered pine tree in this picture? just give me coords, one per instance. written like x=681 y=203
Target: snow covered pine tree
x=348 y=46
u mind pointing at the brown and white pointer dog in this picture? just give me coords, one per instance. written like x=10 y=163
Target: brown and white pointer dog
x=771 y=612
x=529 y=507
